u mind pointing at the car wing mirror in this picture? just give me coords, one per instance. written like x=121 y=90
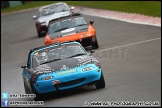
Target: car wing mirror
x=92 y=51
x=72 y=8
x=91 y=22
x=34 y=17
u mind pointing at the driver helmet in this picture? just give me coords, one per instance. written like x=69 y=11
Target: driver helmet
x=42 y=56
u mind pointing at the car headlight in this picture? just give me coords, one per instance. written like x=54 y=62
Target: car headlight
x=97 y=63
x=47 y=78
x=87 y=68
x=43 y=23
x=34 y=79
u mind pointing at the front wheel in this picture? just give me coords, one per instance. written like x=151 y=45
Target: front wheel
x=38 y=96
x=100 y=83
x=39 y=34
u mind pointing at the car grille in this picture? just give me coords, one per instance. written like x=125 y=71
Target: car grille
x=69 y=83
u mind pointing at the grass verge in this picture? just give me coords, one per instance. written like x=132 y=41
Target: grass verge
x=151 y=8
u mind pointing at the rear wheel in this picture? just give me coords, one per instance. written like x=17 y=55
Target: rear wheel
x=100 y=83
x=95 y=44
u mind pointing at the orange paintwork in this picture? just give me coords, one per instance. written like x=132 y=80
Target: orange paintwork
x=72 y=37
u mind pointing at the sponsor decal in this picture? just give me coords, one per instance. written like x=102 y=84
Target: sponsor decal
x=36 y=53
x=55 y=82
x=88 y=68
x=64 y=67
x=70 y=70
x=67 y=71
x=68 y=30
x=85 y=59
x=45 y=68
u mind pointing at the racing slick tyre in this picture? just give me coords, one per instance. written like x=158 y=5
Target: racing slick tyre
x=100 y=83
x=39 y=34
x=38 y=96
x=95 y=44
x=25 y=87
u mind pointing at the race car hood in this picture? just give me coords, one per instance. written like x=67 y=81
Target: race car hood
x=69 y=31
x=64 y=64
x=52 y=16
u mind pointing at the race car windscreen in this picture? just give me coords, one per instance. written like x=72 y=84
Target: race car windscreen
x=57 y=53
x=65 y=24
x=53 y=9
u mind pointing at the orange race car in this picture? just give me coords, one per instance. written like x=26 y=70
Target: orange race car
x=71 y=28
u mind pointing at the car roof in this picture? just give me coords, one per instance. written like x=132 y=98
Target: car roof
x=46 y=46
x=65 y=17
x=41 y=8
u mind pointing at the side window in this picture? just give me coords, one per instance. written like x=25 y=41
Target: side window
x=65 y=7
x=28 y=61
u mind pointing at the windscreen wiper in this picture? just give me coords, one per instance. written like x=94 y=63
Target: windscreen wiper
x=63 y=10
x=50 y=61
x=81 y=24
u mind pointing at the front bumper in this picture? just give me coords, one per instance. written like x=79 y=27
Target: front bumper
x=68 y=81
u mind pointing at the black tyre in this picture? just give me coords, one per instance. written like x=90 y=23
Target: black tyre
x=25 y=87
x=100 y=83
x=95 y=44
x=39 y=34
x=38 y=96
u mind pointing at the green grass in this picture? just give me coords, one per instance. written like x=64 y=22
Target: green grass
x=151 y=8
x=26 y=6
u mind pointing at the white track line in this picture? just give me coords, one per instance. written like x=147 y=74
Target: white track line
x=130 y=44
x=110 y=14
x=125 y=20
x=121 y=16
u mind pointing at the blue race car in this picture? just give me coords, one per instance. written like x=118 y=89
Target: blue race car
x=60 y=66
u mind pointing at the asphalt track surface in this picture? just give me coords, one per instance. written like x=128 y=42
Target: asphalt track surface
x=130 y=55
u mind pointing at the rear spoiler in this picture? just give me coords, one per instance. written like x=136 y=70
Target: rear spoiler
x=68 y=16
